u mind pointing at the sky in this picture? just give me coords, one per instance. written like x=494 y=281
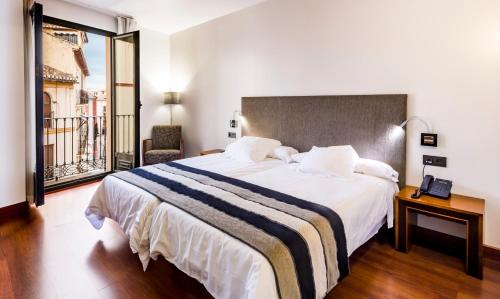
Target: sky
x=95 y=54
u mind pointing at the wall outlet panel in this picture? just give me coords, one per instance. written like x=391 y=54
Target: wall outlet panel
x=231 y=134
x=434 y=161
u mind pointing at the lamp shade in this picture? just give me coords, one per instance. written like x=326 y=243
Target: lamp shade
x=172 y=97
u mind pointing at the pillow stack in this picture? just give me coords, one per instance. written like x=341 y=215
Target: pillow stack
x=284 y=153
x=340 y=161
x=333 y=160
x=376 y=168
x=251 y=149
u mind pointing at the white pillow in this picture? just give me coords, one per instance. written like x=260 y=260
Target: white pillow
x=299 y=157
x=376 y=168
x=284 y=153
x=251 y=149
x=333 y=160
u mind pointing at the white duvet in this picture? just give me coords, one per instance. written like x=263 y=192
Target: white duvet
x=227 y=267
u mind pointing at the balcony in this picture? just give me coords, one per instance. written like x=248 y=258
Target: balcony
x=77 y=147
x=74 y=147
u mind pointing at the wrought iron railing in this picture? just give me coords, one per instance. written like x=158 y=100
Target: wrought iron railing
x=74 y=146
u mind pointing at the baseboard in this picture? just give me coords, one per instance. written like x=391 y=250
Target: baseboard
x=15 y=209
x=491 y=252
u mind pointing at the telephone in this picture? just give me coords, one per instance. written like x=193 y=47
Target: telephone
x=434 y=187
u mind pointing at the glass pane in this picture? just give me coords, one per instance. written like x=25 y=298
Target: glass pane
x=124 y=102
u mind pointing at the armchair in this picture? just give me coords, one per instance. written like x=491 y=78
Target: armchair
x=165 y=145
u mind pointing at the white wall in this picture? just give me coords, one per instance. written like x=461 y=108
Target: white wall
x=444 y=54
x=12 y=175
x=155 y=67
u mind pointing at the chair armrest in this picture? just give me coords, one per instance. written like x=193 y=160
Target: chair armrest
x=147 y=145
x=181 y=148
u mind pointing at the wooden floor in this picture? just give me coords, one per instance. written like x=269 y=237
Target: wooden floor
x=55 y=253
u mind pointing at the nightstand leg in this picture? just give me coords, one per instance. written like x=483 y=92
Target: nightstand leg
x=474 y=258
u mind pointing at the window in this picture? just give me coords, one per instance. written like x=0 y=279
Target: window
x=47 y=110
x=72 y=38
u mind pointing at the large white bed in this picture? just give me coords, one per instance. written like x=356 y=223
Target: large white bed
x=226 y=266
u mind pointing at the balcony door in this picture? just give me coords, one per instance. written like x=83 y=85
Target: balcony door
x=86 y=102
x=126 y=101
x=76 y=69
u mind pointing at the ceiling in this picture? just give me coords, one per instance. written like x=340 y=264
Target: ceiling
x=167 y=16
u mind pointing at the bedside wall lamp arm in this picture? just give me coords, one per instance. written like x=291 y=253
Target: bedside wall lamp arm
x=412 y=118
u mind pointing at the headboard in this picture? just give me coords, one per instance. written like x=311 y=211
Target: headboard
x=367 y=122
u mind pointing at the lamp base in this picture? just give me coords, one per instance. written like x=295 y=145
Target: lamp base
x=171 y=112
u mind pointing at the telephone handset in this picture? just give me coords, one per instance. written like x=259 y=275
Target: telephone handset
x=434 y=187
x=426 y=183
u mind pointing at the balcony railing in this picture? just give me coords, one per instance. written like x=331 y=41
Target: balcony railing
x=74 y=146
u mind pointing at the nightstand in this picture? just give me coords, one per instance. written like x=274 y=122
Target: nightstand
x=458 y=208
x=212 y=151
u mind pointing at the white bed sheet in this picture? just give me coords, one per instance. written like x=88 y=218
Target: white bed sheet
x=227 y=267
x=132 y=208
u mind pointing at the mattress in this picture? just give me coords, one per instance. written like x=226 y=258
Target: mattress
x=227 y=267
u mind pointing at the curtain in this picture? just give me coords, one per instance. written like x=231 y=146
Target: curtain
x=29 y=97
x=126 y=24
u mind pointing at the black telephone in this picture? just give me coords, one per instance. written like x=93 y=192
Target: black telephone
x=434 y=187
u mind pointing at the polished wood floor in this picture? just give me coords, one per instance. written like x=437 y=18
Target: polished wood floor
x=53 y=252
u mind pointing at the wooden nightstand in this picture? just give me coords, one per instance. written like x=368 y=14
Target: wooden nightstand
x=212 y=151
x=458 y=208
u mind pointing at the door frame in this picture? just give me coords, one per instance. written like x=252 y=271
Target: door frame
x=77 y=26
x=138 y=104
x=39 y=177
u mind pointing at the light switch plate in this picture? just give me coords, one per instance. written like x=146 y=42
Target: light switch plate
x=434 y=161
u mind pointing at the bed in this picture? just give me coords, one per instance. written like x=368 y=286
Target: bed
x=227 y=266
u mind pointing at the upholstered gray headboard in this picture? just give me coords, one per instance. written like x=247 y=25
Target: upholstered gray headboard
x=367 y=122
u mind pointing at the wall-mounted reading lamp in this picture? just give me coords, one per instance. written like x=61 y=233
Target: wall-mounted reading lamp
x=171 y=98
x=426 y=139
